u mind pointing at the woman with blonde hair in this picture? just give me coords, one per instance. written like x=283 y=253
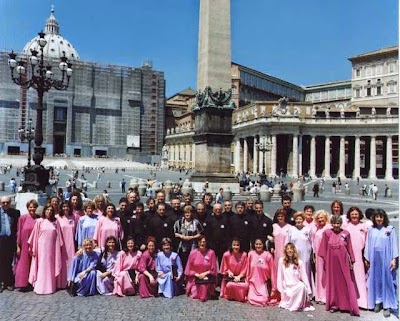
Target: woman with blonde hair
x=292 y=281
x=99 y=205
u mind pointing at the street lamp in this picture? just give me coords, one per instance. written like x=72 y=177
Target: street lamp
x=27 y=134
x=41 y=79
x=264 y=146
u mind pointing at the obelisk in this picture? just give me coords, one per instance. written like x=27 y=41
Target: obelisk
x=213 y=109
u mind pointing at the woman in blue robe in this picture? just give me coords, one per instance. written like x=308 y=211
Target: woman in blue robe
x=381 y=252
x=107 y=260
x=83 y=270
x=169 y=269
x=86 y=224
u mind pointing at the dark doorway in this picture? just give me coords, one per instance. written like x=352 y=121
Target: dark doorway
x=100 y=153
x=13 y=150
x=59 y=144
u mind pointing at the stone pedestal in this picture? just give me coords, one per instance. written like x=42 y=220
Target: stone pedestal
x=265 y=195
x=276 y=196
x=22 y=198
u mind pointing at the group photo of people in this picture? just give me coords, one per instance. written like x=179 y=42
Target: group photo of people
x=344 y=259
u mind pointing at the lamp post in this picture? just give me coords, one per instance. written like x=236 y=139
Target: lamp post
x=27 y=134
x=41 y=79
x=264 y=146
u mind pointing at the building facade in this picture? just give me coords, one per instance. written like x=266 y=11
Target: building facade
x=337 y=129
x=107 y=110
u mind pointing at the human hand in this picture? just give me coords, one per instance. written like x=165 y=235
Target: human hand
x=103 y=275
x=79 y=252
x=236 y=278
x=18 y=251
x=393 y=265
x=152 y=279
x=142 y=247
x=230 y=275
x=160 y=274
x=82 y=275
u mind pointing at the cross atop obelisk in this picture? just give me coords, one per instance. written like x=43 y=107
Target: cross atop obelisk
x=214 y=47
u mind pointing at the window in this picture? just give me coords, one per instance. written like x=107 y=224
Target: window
x=378 y=90
x=368 y=70
x=357 y=93
x=60 y=114
x=358 y=72
x=379 y=69
x=392 y=87
x=392 y=66
x=369 y=91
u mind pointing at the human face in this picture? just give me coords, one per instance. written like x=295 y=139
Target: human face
x=258 y=245
x=379 y=219
x=48 y=212
x=122 y=206
x=217 y=210
x=235 y=246
x=202 y=244
x=308 y=214
x=110 y=211
x=54 y=203
x=74 y=201
x=88 y=247
x=65 y=209
x=207 y=199
x=286 y=204
x=281 y=218
x=228 y=206
x=354 y=217
x=250 y=205
x=336 y=209
x=289 y=251
x=89 y=211
x=151 y=247
x=188 y=215
x=187 y=199
x=32 y=209
x=336 y=226
x=200 y=210
x=166 y=247
x=110 y=245
x=151 y=204
x=5 y=203
x=131 y=197
x=161 y=210
x=160 y=198
x=299 y=221
x=130 y=245
x=259 y=209
x=239 y=209
x=176 y=204
x=139 y=210
x=321 y=220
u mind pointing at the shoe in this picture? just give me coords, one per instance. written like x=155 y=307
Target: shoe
x=377 y=308
x=10 y=288
x=386 y=313
x=333 y=310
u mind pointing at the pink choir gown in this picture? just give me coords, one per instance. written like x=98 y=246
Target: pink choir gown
x=341 y=288
x=147 y=263
x=320 y=284
x=237 y=265
x=199 y=262
x=260 y=268
x=68 y=229
x=281 y=235
x=358 y=234
x=123 y=284
x=46 y=245
x=105 y=228
x=293 y=286
x=23 y=262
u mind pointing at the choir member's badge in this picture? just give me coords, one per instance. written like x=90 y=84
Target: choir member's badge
x=165 y=225
x=265 y=224
x=245 y=222
x=222 y=226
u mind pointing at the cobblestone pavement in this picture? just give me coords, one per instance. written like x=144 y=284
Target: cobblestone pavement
x=61 y=307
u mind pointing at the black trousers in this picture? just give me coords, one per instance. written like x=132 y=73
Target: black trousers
x=7 y=250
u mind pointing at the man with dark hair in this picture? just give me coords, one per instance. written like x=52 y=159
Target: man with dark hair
x=175 y=212
x=250 y=206
x=124 y=216
x=228 y=209
x=133 y=198
x=137 y=227
x=287 y=207
x=261 y=223
x=207 y=200
x=8 y=242
x=187 y=199
x=201 y=215
x=241 y=227
x=160 y=225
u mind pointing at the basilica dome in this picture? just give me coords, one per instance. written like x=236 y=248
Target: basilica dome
x=56 y=46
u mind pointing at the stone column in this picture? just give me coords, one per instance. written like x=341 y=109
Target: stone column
x=255 y=155
x=357 y=157
x=372 y=159
x=300 y=155
x=237 y=155
x=295 y=148
x=327 y=162
x=312 y=157
x=342 y=157
x=260 y=161
x=389 y=159
x=273 y=155
x=245 y=155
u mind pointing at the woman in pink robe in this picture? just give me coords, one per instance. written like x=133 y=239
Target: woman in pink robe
x=108 y=225
x=281 y=235
x=68 y=222
x=100 y=205
x=202 y=265
x=293 y=282
x=126 y=270
x=358 y=233
x=24 y=231
x=261 y=268
x=309 y=218
x=76 y=205
x=337 y=252
x=46 y=245
x=147 y=271
x=234 y=285
x=321 y=220
x=55 y=204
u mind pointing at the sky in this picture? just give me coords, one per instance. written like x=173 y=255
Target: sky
x=304 y=42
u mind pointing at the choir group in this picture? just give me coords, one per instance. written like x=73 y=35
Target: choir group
x=336 y=259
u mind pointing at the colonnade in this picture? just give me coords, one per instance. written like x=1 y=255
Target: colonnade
x=317 y=155
x=181 y=155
